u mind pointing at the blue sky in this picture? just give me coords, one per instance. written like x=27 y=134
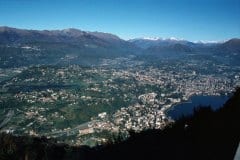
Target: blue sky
x=188 y=19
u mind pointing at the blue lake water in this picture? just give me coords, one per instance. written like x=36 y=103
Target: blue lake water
x=186 y=108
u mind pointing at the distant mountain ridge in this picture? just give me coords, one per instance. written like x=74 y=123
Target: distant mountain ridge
x=158 y=46
x=21 y=47
x=13 y=35
x=152 y=42
x=54 y=45
x=231 y=46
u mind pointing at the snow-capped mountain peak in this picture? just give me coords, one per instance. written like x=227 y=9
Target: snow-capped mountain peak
x=151 y=38
x=159 y=38
x=174 y=39
x=209 y=42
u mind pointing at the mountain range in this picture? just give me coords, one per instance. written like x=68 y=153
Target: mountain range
x=160 y=42
x=20 y=47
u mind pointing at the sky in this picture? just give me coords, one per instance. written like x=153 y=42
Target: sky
x=209 y=20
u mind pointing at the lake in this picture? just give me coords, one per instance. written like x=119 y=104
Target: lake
x=186 y=108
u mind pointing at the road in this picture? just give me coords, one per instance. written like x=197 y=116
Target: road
x=70 y=131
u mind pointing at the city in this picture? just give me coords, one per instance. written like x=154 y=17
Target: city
x=87 y=105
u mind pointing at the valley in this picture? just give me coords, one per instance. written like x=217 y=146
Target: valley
x=84 y=105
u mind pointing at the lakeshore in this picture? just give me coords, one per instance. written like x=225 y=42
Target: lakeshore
x=187 y=107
